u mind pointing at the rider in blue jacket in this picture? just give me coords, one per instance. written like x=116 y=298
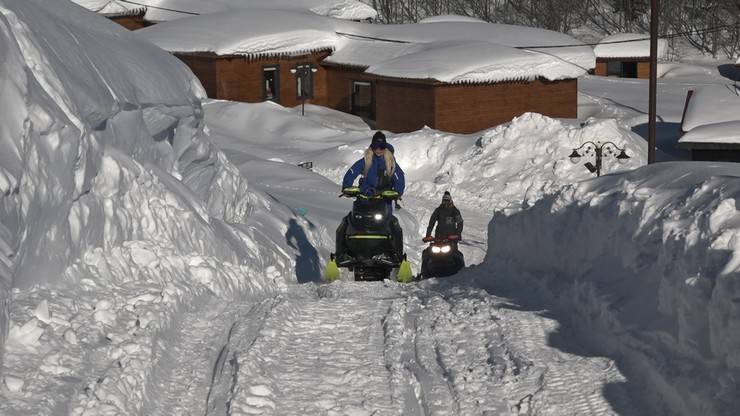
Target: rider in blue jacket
x=379 y=172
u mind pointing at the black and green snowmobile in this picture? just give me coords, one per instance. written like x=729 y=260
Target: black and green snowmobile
x=365 y=240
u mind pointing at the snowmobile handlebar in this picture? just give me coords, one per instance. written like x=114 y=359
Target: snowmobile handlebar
x=354 y=192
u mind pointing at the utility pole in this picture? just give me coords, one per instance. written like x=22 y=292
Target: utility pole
x=653 y=78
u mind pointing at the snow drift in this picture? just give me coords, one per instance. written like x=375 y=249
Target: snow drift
x=115 y=209
x=649 y=261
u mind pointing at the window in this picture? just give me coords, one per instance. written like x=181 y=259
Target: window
x=614 y=68
x=362 y=99
x=304 y=81
x=271 y=83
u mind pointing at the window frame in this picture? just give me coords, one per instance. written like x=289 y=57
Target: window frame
x=276 y=92
x=309 y=73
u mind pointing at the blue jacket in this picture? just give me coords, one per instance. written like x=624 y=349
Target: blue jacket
x=369 y=184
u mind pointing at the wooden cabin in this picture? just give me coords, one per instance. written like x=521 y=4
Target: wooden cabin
x=626 y=55
x=628 y=67
x=709 y=130
x=403 y=105
x=349 y=80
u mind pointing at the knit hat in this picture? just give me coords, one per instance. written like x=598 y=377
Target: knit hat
x=378 y=141
x=446 y=197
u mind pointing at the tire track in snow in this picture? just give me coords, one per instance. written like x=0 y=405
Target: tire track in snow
x=317 y=355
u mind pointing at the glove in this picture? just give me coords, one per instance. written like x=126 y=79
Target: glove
x=427 y=239
x=370 y=191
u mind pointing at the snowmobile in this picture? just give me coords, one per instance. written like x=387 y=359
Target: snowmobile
x=442 y=258
x=370 y=249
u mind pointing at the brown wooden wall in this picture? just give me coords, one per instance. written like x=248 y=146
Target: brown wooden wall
x=470 y=108
x=404 y=106
x=130 y=22
x=643 y=70
x=643 y=67
x=339 y=86
x=240 y=79
x=204 y=68
x=600 y=69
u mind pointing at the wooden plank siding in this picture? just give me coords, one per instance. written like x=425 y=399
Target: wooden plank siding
x=204 y=68
x=643 y=70
x=404 y=106
x=130 y=22
x=339 y=85
x=643 y=66
x=239 y=78
x=469 y=108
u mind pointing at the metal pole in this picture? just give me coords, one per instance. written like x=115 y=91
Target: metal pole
x=598 y=151
x=653 y=78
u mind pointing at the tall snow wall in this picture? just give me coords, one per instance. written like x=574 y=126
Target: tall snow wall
x=650 y=262
x=100 y=143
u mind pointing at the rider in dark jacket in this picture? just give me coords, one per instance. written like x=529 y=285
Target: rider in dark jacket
x=379 y=172
x=447 y=218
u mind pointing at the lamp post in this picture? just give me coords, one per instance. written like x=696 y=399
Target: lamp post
x=599 y=149
x=301 y=72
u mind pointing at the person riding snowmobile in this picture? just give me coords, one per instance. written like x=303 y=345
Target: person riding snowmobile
x=379 y=172
x=448 y=220
x=449 y=226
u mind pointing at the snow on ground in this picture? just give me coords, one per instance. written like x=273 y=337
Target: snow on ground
x=646 y=264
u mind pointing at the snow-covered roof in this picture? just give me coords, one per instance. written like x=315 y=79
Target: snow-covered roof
x=628 y=45
x=340 y=9
x=258 y=32
x=712 y=104
x=110 y=7
x=450 y=18
x=461 y=62
x=724 y=133
x=446 y=51
x=712 y=116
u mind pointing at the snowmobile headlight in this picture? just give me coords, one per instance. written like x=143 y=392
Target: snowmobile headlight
x=378 y=217
x=436 y=249
x=445 y=249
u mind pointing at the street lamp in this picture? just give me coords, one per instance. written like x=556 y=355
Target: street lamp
x=599 y=149
x=301 y=72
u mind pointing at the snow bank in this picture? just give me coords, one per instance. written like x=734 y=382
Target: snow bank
x=340 y=9
x=712 y=104
x=628 y=45
x=648 y=260
x=108 y=7
x=509 y=166
x=116 y=211
x=447 y=51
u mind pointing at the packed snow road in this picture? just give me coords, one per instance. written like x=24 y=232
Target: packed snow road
x=382 y=349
